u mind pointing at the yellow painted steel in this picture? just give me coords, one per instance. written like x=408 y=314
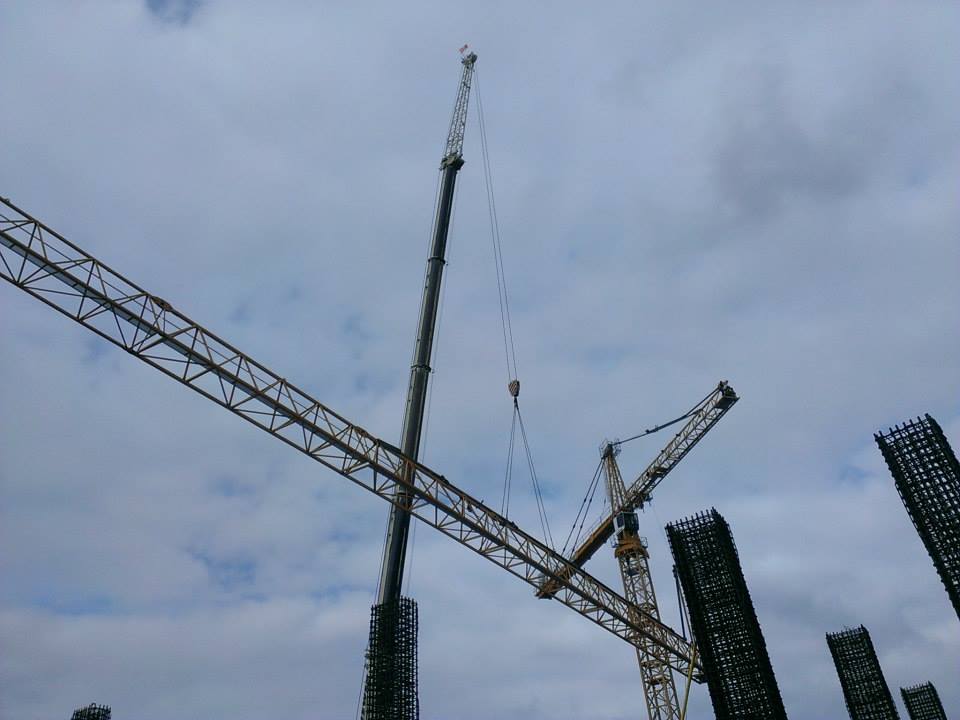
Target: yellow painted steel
x=686 y=690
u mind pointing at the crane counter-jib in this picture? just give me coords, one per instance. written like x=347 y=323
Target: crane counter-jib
x=44 y=264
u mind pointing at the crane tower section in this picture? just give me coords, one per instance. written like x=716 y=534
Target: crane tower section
x=659 y=689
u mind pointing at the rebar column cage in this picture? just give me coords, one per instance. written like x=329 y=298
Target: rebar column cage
x=864 y=688
x=390 y=692
x=923 y=702
x=724 y=624
x=92 y=712
x=927 y=475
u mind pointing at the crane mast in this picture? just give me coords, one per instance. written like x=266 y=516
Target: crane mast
x=630 y=550
x=398 y=525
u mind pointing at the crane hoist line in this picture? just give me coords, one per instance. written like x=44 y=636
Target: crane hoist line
x=44 y=264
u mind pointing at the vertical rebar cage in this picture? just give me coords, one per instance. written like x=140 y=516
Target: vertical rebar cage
x=923 y=702
x=927 y=475
x=864 y=688
x=390 y=692
x=724 y=623
x=92 y=712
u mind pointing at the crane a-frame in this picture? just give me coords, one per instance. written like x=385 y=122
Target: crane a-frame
x=43 y=263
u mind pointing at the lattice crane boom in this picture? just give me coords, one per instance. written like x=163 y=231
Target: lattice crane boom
x=458 y=122
x=44 y=264
x=701 y=420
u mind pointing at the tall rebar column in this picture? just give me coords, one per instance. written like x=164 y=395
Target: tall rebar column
x=923 y=702
x=724 y=623
x=390 y=692
x=927 y=476
x=864 y=688
x=92 y=712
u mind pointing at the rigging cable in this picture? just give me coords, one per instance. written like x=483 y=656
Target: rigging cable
x=658 y=428
x=537 y=490
x=509 y=344
x=583 y=512
x=508 y=472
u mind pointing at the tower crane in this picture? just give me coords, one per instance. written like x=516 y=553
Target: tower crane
x=700 y=420
x=630 y=549
x=44 y=264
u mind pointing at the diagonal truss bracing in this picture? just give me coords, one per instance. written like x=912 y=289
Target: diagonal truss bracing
x=701 y=420
x=44 y=264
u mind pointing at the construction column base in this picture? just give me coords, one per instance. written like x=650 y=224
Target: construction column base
x=391 y=692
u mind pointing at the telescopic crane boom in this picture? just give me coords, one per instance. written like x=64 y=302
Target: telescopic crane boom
x=44 y=264
x=398 y=526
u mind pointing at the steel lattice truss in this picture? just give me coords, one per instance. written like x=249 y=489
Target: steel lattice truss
x=927 y=476
x=659 y=688
x=390 y=691
x=46 y=265
x=702 y=418
x=865 y=690
x=923 y=702
x=92 y=712
x=724 y=623
x=458 y=123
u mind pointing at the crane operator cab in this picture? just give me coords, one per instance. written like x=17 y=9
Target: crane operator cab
x=625 y=522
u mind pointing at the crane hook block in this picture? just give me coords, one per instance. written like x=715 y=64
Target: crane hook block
x=514 y=388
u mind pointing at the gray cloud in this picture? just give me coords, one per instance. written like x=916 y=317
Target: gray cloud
x=757 y=193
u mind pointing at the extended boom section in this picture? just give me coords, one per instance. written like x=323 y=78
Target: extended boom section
x=46 y=265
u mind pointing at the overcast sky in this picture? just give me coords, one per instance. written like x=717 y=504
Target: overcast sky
x=687 y=192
